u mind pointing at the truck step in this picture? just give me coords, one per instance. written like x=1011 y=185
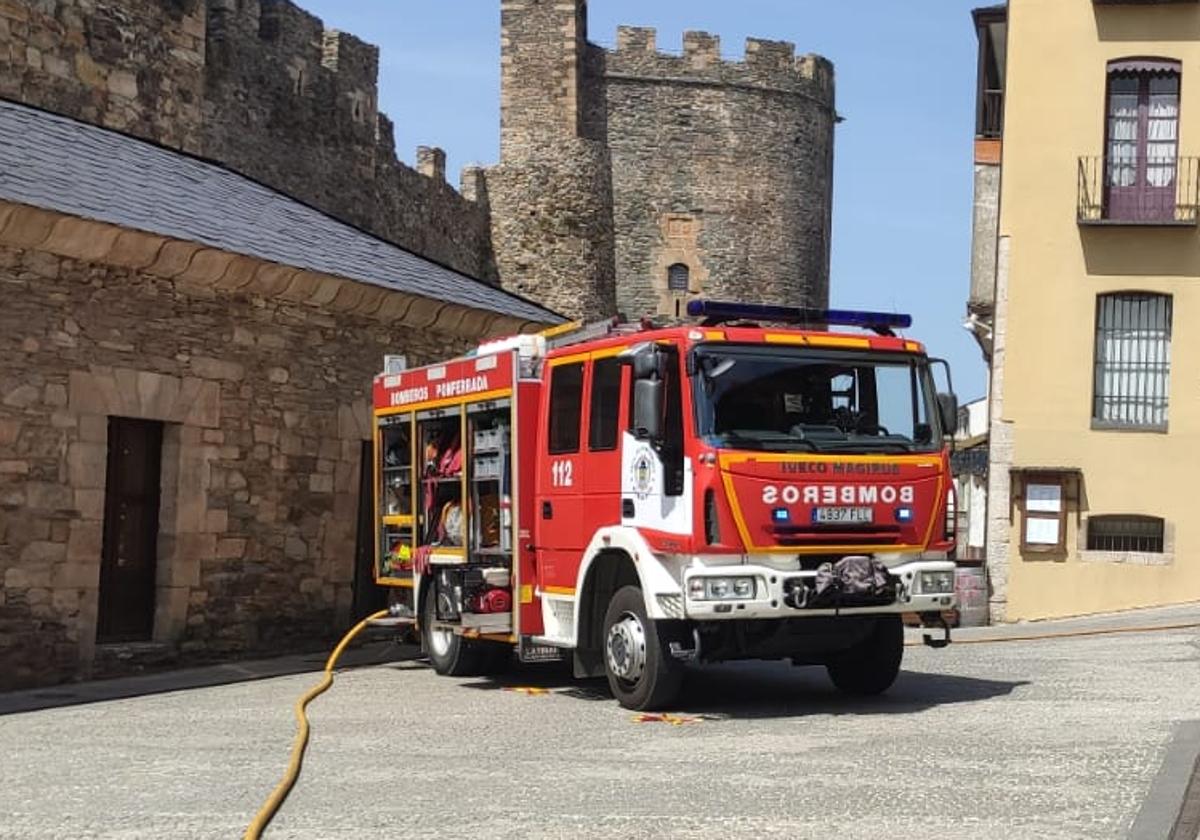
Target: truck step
x=393 y=621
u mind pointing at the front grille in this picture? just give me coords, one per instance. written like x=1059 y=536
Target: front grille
x=813 y=537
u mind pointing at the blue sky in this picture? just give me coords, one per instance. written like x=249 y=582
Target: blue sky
x=905 y=76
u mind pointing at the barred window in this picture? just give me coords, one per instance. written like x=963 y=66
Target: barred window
x=1125 y=533
x=677 y=277
x=1133 y=360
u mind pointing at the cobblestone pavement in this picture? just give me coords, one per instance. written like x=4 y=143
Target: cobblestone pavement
x=1045 y=739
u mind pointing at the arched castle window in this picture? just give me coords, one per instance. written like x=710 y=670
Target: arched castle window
x=678 y=277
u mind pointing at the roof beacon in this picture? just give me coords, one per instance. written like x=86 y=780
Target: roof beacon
x=716 y=312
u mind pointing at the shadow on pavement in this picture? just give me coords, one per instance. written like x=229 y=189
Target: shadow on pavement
x=731 y=690
x=184 y=679
x=767 y=690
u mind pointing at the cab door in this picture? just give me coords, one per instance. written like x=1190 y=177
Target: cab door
x=607 y=418
x=559 y=534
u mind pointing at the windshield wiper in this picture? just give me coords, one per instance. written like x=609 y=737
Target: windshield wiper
x=885 y=445
x=763 y=441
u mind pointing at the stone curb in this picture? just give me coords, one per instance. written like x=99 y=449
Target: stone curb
x=1161 y=817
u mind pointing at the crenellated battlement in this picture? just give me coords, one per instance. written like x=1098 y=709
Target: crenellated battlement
x=295 y=104
x=353 y=59
x=764 y=63
x=273 y=34
x=273 y=56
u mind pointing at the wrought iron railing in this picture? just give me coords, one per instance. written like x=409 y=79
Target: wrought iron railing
x=989 y=121
x=1138 y=192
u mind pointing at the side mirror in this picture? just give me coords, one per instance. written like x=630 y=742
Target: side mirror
x=648 y=408
x=646 y=362
x=948 y=412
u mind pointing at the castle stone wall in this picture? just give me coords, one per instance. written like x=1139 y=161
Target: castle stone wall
x=724 y=167
x=615 y=164
x=259 y=86
x=136 y=67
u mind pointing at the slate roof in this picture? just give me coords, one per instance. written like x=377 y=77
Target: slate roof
x=60 y=164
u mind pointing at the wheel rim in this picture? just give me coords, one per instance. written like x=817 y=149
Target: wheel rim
x=625 y=648
x=439 y=640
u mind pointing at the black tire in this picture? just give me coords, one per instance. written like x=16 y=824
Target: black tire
x=656 y=683
x=454 y=656
x=870 y=667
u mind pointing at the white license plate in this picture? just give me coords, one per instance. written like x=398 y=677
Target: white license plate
x=843 y=515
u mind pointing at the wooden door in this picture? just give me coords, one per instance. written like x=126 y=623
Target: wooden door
x=129 y=557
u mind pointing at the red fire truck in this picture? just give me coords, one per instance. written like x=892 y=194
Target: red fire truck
x=636 y=497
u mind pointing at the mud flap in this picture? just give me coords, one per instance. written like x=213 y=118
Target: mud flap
x=935 y=621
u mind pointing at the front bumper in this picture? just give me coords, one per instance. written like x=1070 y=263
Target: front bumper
x=769 y=602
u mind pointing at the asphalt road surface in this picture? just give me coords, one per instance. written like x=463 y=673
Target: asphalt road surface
x=1042 y=739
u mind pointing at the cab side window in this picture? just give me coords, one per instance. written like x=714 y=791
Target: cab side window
x=605 y=406
x=672 y=445
x=566 y=408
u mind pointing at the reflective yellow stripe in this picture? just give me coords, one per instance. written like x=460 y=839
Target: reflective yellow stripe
x=838 y=341
x=482 y=396
x=608 y=352
x=784 y=338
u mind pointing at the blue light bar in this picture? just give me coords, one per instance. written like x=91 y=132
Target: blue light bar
x=718 y=312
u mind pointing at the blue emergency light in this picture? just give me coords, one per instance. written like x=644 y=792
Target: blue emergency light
x=716 y=312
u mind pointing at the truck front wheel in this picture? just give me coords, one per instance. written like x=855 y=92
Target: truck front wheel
x=641 y=672
x=871 y=666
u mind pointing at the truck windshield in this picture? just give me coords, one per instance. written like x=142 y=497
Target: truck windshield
x=792 y=399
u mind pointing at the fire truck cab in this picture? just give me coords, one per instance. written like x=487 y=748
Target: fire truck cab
x=635 y=498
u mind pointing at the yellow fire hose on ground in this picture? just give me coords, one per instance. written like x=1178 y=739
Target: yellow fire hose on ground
x=275 y=800
x=271 y=806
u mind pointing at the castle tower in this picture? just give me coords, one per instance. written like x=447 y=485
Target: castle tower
x=634 y=180
x=722 y=172
x=551 y=195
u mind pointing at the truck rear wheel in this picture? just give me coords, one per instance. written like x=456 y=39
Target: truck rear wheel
x=872 y=665
x=641 y=672
x=452 y=655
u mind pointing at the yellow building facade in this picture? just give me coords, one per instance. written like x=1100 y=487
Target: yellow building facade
x=1094 y=331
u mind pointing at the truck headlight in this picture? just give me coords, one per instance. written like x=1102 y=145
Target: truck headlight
x=721 y=588
x=937 y=583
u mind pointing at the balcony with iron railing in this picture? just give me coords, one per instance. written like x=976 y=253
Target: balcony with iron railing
x=1139 y=191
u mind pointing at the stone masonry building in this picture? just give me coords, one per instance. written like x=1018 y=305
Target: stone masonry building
x=629 y=179
x=185 y=378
